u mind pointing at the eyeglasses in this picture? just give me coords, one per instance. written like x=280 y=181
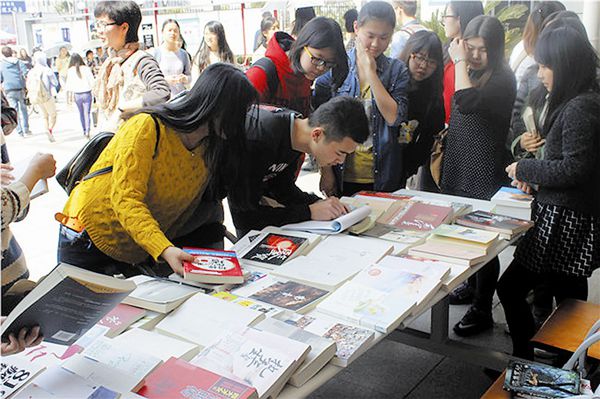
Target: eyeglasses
x=319 y=62
x=421 y=59
x=101 y=25
x=443 y=18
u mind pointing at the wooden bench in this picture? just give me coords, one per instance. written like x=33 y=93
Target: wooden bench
x=566 y=328
x=495 y=391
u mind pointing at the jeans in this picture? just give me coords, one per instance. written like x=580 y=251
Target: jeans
x=513 y=287
x=16 y=99
x=84 y=106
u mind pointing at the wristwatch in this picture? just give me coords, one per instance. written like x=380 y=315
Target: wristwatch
x=457 y=60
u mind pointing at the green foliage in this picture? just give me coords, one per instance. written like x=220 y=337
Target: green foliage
x=435 y=25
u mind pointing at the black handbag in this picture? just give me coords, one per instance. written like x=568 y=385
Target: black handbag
x=77 y=169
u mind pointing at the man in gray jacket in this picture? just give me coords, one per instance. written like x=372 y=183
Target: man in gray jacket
x=12 y=77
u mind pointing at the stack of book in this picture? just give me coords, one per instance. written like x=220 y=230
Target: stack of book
x=513 y=202
x=507 y=227
x=457 y=244
x=158 y=295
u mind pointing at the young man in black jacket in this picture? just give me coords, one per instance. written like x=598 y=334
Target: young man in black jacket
x=277 y=138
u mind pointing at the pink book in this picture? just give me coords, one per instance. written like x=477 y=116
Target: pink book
x=121 y=317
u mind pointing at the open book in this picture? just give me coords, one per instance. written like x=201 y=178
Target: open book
x=333 y=226
x=41 y=187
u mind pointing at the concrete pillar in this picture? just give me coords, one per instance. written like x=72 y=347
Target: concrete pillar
x=591 y=21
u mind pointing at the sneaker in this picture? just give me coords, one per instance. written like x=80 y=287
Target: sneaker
x=474 y=322
x=28 y=132
x=462 y=295
x=50 y=136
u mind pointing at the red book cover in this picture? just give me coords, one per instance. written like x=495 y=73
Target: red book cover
x=379 y=194
x=178 y=379
x=213 y=266
x=423 y=217
x=121 y=317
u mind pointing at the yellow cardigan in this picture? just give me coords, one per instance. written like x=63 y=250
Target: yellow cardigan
x=129 y=212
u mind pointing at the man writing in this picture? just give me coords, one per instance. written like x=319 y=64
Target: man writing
x=276 y=140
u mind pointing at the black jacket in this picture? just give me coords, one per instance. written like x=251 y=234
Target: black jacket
x=271 y=172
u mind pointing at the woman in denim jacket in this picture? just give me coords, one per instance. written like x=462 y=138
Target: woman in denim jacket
x=377 y=164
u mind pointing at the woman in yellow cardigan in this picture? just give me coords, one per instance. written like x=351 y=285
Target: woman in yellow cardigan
x=115 y=220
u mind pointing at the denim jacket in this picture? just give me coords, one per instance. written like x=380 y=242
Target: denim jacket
x=393 y=73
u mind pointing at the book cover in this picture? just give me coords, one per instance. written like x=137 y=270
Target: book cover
x=311 y=270
x=159 y=295
x=213 y=266
x=15 y=373
x=157 y=345
x=512 y=197
x=120 y=318
x=466 y=234
x=493 y=222
x=274 y=249
x=461 y=254
x=422 y=217
x=290 y=295
x=334 y=226
x=540 y=380
x=67 y=303
x=179 y=379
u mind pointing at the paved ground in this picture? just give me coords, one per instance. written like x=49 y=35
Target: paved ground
x=389 y=370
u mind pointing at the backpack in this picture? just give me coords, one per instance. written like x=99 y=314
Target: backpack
x=267 y=65
x=77 y=169
x=36 y=91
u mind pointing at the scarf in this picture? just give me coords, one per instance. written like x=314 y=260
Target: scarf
x=110 y=78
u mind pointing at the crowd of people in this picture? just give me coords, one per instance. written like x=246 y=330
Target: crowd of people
x=191 y=131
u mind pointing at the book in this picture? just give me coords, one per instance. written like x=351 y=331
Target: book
x=149 y=321
x=125 y=359
x=67 y=303
x=351 y=341
x=512 y=211
x=243 y=243
x=289 y=295
x=20 y=167
x=504 y=225
x=378 y=207
x=313 y=271
x=260 y=359
x=321 y=352
x=334 y=226
x=400 y=236
x=512 y=197
x=449 y=252
x=103 y=392
x=98 y=373
x=120 y=318
x=382 y=195
x=456 y=275
x=313 y=239
x=159 y=295
x=203 y=318
x=458 y=208
x=466 y=235
x=379 y=297
x=540 y=380
x=158 y=345
x=179 y=379
x=213 y=267
x=268 y=310
x=346 y=249
x=422 y=217
x=15 y=373
x=59 y=382
x=46 y=355
x=273 y=250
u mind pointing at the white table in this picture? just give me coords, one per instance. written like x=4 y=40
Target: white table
x=437 y=341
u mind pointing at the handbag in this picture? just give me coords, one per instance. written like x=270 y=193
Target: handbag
x=437 y=155
x=77 y=169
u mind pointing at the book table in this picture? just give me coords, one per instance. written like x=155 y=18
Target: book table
x=437 y=340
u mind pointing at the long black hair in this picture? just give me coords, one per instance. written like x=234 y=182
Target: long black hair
x=77 y=62
x=302 y=16
x=490 y=29
x=202 y=57
x=220 y=98
x=429 y=43
x=573 y=62
x=535 y=22
x=465 y=11
x=319 y=33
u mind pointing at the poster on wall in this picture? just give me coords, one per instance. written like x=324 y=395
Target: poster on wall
x=147 y=35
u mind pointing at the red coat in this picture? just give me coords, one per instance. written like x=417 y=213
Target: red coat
x=293 y=90
x=448 y=88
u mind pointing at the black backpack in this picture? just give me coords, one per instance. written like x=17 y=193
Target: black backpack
x=267 y=65
x=77 y=169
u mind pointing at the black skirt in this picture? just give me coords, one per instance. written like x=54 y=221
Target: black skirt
x=562 y=241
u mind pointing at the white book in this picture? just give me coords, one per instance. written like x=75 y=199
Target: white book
x=126 y=359
x=453 y=278
x=321 y=352
x=63 y=383
x=98 y=373
x=149 y=321
x=356 y=251
x=351 y=341
x=15 y=373
x=32 y=391
x=335 y=226
x=20 y=166
x=243 y=243
x=327 y=275
x=159 y=295
x=157 y=345
x=203 y=318
x=519 y=213
x=257 y=358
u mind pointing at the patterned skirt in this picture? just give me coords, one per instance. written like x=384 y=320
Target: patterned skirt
x=562 y=241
